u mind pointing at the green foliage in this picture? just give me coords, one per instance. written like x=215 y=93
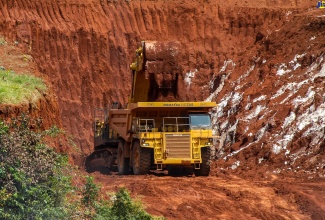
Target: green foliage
x=2 y=41
x=53 y=131
x=124 y=208
x=15 y=89
x=90 y=193
x=32 y=183
x=121 y=207
x=3 y=128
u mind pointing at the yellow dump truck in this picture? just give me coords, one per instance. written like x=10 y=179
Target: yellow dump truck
x=155 y=134
x=164 y=134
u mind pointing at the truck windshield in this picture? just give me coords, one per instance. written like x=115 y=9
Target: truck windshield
x=200 y=122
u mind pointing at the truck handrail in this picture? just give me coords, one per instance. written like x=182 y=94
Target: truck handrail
x=168 y=127
x=145 y=125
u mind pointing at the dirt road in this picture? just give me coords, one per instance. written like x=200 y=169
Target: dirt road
x=229 y=197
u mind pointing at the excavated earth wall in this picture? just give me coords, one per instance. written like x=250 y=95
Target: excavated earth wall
x=261 y=61
x=45 y=108
x=252 y=57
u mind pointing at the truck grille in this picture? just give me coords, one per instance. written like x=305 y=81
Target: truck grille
x=178 y=146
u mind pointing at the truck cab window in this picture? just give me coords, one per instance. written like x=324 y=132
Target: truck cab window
x=201 y=121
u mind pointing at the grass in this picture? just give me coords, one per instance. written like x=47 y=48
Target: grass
x=2 y=41
x=19 y=88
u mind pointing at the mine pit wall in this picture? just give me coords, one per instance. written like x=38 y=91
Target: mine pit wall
x=84 y=48
x=46 y=109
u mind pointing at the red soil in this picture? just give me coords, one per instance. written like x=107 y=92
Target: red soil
x=262 y=61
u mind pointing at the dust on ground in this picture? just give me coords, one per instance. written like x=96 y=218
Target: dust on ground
x=227 y=197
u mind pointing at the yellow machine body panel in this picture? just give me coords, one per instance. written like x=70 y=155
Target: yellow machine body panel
x=176 y=147
x=175 y=104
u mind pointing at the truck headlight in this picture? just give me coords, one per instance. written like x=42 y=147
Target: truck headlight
x=207 y=143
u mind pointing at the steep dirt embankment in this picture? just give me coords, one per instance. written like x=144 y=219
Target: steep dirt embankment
x=271 y=112
x=12 y=58
x=84 y=47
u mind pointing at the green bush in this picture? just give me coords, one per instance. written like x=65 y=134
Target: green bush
x=124 y=208
x=119 y=207
x=34 y=181
x=90 y=192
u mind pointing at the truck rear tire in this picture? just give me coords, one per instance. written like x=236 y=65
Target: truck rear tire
x=141 y=159
x=123 y=164
x=207 y=154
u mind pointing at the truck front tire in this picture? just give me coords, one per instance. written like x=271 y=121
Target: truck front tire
x=207 y=155
x=141 y=159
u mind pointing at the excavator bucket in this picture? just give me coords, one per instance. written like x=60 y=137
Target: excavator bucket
x=155 y=71
x=162 y=61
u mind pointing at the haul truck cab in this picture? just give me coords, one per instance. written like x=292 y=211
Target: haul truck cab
x=164 y=134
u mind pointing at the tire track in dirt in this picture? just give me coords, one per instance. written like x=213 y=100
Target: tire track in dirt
x=310 y=197
x=207 y=197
